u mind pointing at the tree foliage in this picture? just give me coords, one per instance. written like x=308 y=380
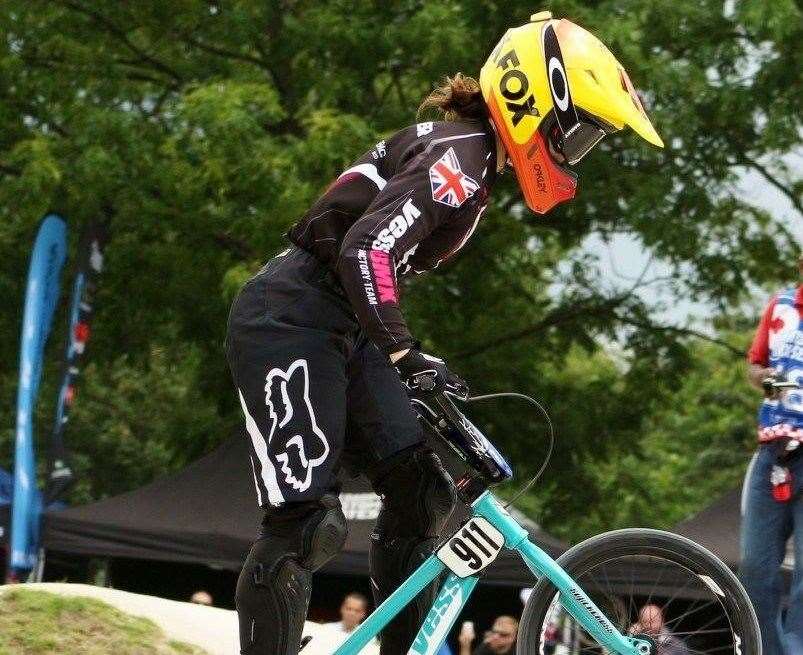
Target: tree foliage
x=692 y=444
x=202 y=129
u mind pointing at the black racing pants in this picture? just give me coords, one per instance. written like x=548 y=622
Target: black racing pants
x=315 y=393
x=317 y=396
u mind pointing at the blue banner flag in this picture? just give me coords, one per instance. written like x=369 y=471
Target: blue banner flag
x=41 y=297
x=90 y=265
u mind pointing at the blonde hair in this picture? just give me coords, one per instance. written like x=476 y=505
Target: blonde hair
x=456 y=97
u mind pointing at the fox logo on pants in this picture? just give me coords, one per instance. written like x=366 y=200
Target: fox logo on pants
x=294 y=432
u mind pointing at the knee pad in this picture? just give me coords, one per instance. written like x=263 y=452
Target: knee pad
x=417 y=499
x=273 y=589
x=323 y=534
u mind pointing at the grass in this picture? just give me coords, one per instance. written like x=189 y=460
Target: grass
x=40 y=623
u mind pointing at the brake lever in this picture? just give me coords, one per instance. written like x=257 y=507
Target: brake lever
x=461 y=393
x=426 y=383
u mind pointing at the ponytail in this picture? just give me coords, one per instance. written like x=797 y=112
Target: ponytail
x=457 y=97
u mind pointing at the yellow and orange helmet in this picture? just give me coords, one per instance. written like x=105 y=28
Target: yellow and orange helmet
x=550 y=83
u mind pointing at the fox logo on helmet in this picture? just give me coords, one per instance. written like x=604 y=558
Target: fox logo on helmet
x=514 y=86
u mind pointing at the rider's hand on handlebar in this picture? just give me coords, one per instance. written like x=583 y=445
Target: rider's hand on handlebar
x=422 y=372
x=775 y=383
x=769 y=391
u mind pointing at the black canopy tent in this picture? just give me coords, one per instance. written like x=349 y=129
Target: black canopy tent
x=718 y=528
x=207 y=514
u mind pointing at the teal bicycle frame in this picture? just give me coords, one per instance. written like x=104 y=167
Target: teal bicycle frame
x=456 y=590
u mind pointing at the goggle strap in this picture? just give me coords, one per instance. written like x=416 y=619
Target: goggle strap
x=564 y=108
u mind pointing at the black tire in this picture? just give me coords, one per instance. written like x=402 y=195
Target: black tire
x=645 y=547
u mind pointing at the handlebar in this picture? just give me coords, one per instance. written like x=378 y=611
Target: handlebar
x=426 y=383
x=781 y=384
x=773 y=385
x=462 y=436
x=438 y=410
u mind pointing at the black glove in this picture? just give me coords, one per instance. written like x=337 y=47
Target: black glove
x=772 y=392
x=769 y=390
x=422 y=372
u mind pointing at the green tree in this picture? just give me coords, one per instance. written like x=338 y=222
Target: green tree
x=203 y=129
x=692 y=446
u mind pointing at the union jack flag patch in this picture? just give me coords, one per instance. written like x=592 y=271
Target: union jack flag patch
x=450 y=185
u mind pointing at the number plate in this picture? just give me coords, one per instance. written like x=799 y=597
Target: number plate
x=473 y=547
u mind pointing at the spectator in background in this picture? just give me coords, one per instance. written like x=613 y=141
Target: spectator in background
x=771 y=503
x=651 y=623
x=499 y=640
x=353 y=611
x=202 y=597
x=551 y=639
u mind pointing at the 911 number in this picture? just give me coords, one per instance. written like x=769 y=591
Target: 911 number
x=473 y=547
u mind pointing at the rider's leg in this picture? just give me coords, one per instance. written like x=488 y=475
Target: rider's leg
x=287 y=346
x=385 y=440
x=294 y=447
x=381 y=422
x=417 y=499
x=273 y=589
x=794 y=615
x=765 y=529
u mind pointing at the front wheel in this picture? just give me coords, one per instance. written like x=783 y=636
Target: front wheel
x=654 y=584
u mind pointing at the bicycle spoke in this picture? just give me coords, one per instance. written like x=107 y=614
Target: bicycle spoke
x=676 y=594
x=608 y=596
x=655 y=586
x=702 y=625
x=631 y=600
x=707 y=651
x=607 y=579
x=701 y=632
x=689 y=610
x=689 y=613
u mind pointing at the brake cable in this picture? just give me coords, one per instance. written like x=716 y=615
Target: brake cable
x=511 y=394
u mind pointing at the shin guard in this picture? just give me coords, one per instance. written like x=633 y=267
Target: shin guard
x=273 y=589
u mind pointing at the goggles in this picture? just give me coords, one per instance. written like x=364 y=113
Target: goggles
x=579 y=139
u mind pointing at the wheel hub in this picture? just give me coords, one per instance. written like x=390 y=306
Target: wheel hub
x=648 y=648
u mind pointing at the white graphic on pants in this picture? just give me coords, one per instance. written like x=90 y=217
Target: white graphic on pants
x=294 y=432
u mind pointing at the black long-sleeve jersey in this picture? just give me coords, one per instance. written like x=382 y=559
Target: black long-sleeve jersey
x=405 y=206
